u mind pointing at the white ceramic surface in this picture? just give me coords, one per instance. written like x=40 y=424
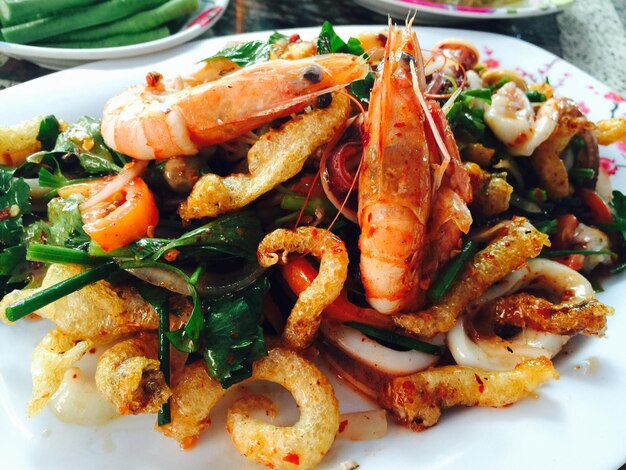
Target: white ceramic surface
x=427 y=12
x=577 y=422
x=207 y=14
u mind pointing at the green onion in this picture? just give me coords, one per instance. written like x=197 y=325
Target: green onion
x=294 y=203
x=538 y=195
x=72 y=20
x=535 y=96
x=560 y=253
x=46 y=296
x=396 y=339
x=114 y=41
x=137 y=23
x=582 y=174
x=13 y=12
x=451 y=271
x=547 y=226
x=60 y=254
x=500 y=83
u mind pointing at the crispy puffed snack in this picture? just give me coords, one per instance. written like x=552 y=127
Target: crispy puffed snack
x=305 y=317
x=275 y=157
x=54 y=355
x=418 y=400
x=611 y=131
x=129 y=376
x=516 y=241
x=97 y=309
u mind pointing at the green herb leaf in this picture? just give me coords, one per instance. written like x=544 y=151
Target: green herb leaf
x=246 y=53
x=83 y=139
x=361 y=89
x=535 y=96
x=232 y=338
x=328 y=41
x=237 y=233
x=14 y=203
x=275 y=37
x=49 y=130
x=66 y=223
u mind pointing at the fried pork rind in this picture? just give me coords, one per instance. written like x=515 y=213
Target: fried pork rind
x=129 y=377
x=610 y=131
x=275 y=157
x=305 y=317
x=195 y=393
x=491 y=192
x=54 y=355
x=418 y=400
x=302 y=445
x=586 y=316
x=546 y=159
x=515 y=242
x=19 y=141
x=97 y=309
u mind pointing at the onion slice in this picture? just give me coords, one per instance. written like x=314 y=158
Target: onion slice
x=130 y=171
x=175 y=283
x=373 y=354
x=337 y=181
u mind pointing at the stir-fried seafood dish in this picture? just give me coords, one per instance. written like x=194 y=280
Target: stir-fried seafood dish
x=432 y=229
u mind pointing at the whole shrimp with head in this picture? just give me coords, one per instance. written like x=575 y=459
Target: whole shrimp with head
x=411 y=175
x=168 y=118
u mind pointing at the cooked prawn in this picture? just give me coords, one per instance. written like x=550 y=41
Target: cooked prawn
x=169 y=118
x=402 y=177
x=512 y=119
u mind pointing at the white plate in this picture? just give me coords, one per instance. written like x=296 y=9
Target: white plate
x=437 y=13
x=576 y=423
x=207 y=14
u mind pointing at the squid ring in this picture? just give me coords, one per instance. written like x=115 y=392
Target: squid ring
x=495 y=353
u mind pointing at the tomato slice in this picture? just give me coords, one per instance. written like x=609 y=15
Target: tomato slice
x=600 y=209
x=128 y=215
x=299 y=273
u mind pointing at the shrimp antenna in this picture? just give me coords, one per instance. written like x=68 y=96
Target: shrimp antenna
x=435 y=130
x=358 y=169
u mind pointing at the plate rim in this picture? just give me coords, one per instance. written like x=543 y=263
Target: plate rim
x=27 y=52
x=459 y=13
x=340 y=30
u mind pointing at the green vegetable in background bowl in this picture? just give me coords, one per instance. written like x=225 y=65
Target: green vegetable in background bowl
x=89 y=24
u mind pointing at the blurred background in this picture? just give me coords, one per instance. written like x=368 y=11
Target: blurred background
x=589 y=34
